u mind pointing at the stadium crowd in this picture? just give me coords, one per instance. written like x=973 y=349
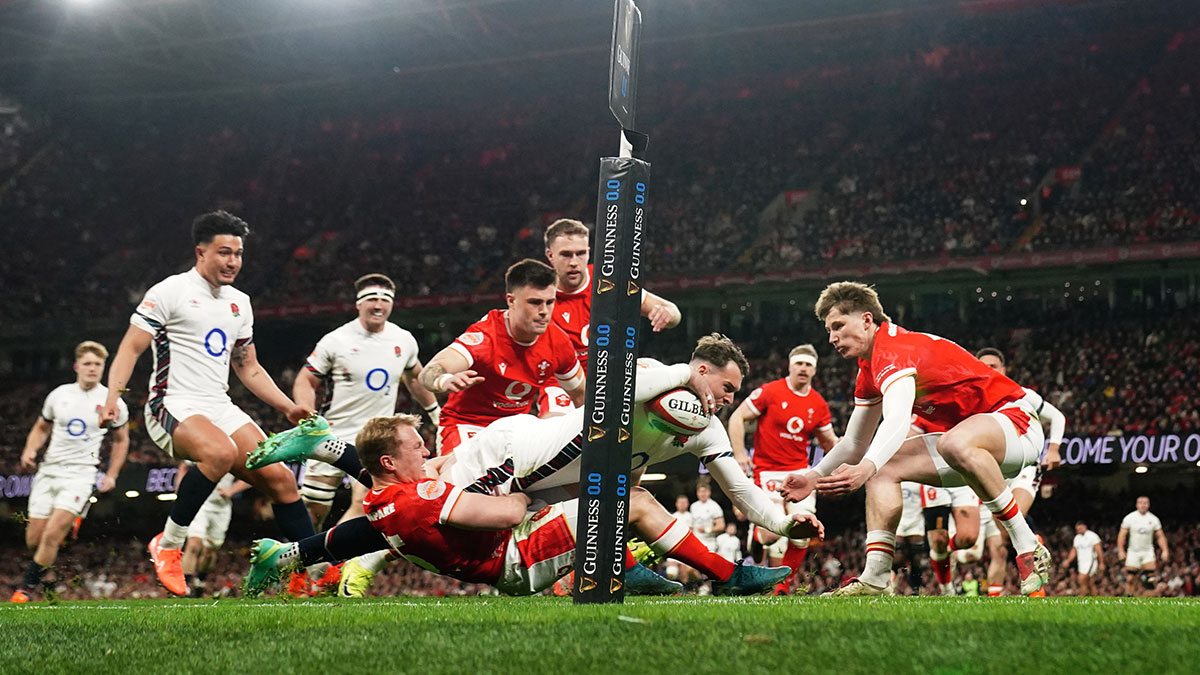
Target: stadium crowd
x=446 y=200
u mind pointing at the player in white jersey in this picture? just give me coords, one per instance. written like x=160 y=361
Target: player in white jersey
x=708 y=518
x=206 y=533
x=67 y=474
x=200 y=325
x=1025 y=485
x=1088 y=554
x=362 y=364
x=1135 y=545
x=540 y=456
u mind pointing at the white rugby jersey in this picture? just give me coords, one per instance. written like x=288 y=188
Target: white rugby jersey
x=1141 y=530
x=547 y=449
x=195 y=327
x=1084 y=549
x=362 y=372
x=704 y=517
x=215 y=500
x=76 y=436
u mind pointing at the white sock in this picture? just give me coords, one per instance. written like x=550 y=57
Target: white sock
x=174 y=535
x=881 y=552
x=330 y=450
x=1004 y=509
x=373 y=562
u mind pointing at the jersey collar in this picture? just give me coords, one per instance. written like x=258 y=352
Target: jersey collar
x=194 y=275
x=514 y=338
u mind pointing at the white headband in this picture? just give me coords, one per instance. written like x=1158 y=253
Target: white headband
x=803 y=358
x=372 y=292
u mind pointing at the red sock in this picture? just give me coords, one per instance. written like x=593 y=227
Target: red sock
x=794 y=558
x=677 y=541
x=630 y=561
x=941 y=570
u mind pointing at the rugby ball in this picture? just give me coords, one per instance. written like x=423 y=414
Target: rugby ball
x=677 y=412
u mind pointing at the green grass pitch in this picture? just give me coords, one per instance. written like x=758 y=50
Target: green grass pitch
x=643 y=636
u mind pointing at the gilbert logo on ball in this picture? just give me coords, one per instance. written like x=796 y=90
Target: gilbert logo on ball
x=677 y=412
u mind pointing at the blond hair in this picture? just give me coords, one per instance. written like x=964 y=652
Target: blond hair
x=850 y=296
x=378 y=439
x=565 y=227
x=90 y=347
x=803 y=349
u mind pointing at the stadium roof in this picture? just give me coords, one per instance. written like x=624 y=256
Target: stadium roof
x=72 y=51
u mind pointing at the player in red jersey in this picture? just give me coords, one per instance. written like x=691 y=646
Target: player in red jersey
x=567 y=250
x=492 y=539
x=789 y=412
x=991 y=431
x=497 y=367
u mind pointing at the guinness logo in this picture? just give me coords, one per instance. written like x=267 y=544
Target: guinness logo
x=604 y=286
x=633 y=289
x=614 y=586
x=595 y=433
x=622 y=435
x=586 y=584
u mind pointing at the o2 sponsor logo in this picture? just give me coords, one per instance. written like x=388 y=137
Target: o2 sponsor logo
x=216 y=343
x=377 y=379
x=76 y=427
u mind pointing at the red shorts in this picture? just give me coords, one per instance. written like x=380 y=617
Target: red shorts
x=450 y=436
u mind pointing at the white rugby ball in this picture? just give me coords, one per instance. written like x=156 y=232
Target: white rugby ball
x=677 y=412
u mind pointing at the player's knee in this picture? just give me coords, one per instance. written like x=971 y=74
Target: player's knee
x=955 y=450
x=641 y=501
x=278 y=483
x=963 y=541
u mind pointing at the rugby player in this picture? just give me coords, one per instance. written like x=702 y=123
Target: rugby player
x=991 y=432
x=1140 y=530
x=66 y=477
x=201 y=326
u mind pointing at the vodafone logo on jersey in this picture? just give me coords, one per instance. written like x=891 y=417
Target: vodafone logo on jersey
x=795 y=425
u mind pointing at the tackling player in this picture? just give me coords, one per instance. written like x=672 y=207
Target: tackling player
x=66 y=477
x=541 y=456
x=992 y=432
x=493 y=539
x=498 y=366
x=789 y=412
x=568 y=252
x=362 y=364
x=200 y=326
x=1140 y=529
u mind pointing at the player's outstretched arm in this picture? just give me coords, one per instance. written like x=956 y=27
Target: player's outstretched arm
x=38 y=433
x=737 y=433
x=424 y=397
x=851 y=448
x=244 y=359
x=304 y=388
x=487 y=512
x=661 y=312
x=116 y=458
x=135 y=342
x=448 y=372
x=893 y=430
x=750 y=499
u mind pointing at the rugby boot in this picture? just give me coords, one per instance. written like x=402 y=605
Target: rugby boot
x=293 y=445
x=751 y=580
x=168 y=566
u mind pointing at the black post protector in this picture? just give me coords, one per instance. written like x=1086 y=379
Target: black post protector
x=612 y=369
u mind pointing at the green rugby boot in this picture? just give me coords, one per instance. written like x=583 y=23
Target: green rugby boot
x=294 y=445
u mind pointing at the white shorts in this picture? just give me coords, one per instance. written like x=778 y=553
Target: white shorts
x=963 y=497
x=770 y=482
x=1020 y=450
x=1088 y=568
x=1139 y=559
x=450 y=436
x=912 y=516
x=164 y=415
x=68 y=490
x=1028 y=480
x=211 y=523
x=541 y=550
